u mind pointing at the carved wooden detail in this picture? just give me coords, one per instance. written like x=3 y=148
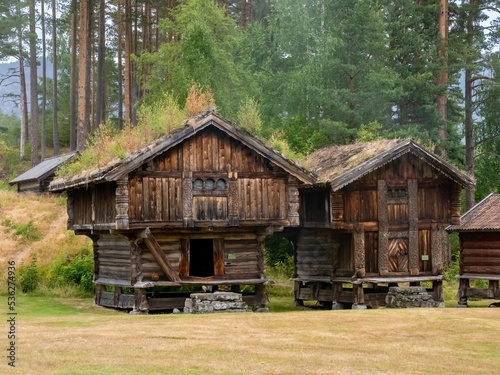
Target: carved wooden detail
x=383 y=235
x=413 y=227
x=121 y=203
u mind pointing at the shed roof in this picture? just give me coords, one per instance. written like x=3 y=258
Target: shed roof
x=44 y=169
x=115 y=169
x=484 y=216
x=342 y=165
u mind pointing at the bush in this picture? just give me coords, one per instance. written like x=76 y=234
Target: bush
x=278 y=251
x=77 y=270
x=28 y=276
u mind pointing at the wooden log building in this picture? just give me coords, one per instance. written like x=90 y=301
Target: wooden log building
x=193 y=208
x=479 y=235
x=375 y=217
x=38 y=178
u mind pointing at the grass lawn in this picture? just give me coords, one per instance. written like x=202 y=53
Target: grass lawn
x=72 y=336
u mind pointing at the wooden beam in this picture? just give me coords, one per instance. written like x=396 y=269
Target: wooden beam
x=219 y=268
x=293 y=201
x=383 y=226
x=436 y=249
x=157 y=252
x=413 y=227
x=359 y=250
x=187 y=194
x=121 y=203
x=233 y=200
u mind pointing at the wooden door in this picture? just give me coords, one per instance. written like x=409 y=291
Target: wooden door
x=398 y=255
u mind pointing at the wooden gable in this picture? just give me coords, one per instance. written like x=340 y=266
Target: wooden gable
x=209 y=179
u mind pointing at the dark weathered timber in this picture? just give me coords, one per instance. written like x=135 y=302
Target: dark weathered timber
x=157 y=252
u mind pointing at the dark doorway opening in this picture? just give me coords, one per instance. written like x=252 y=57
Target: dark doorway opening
x=201 y=258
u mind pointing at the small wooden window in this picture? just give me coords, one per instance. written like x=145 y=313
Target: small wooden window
x=198 y=184
x=209 y=184
x=221 y=184
x=397 y=193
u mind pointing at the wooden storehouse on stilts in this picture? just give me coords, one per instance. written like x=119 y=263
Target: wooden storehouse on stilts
x=375 y=217
x=191 y=209
x=479 y=235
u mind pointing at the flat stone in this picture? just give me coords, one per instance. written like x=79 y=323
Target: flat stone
x=359 y=307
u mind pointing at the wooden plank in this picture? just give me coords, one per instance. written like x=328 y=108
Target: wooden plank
x=485 y=253
x=146 y=202
x=160 y=257
x=359 y=250
x=283 y=201
x=413 y=251
x=184 y=258
x=383 y=237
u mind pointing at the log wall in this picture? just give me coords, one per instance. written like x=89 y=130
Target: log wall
x=112 y=259
x=480 y=253
x=316 y=253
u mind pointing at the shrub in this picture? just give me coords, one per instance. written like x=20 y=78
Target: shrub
x=28 y=276
x=77 y=270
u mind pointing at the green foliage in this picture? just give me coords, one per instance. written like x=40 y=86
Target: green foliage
x=278 y=251
x=27 y=232
x=28 y=276
x=249 y=117
x=370 y=132
x=108 y=143
x=77 y=270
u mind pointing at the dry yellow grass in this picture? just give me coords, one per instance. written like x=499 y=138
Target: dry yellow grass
x=93 y=340
x=49 y=216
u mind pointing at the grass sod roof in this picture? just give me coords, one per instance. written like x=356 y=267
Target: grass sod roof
x=117 y=168
x=342 y=165
x=484 y=216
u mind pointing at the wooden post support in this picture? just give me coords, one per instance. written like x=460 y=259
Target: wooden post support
x=187 y=194
x=436 y=250
x=462 y=292
x=383 y=228
x=233 y=197
x=157 y=252
x=261 y=298
x=69 y=210
x=492 y=288
x=296 y=293
x=359 y=297
x=437 y=286
x=359 y=250
x=293 y=201
x=184 y=260
x=141 y=306
x=116 y=296
x=413 y=227
x=121 y=203
x=98 y=291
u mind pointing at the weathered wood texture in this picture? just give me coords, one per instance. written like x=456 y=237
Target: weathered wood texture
x=226 y=180
x=95 y=204
x=317 y=253
x=112 y=257
x=480 y=253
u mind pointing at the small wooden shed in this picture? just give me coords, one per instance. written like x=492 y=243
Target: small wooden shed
x=38 y=178
x=189 y=210
x=479 y=234
x=375 y=217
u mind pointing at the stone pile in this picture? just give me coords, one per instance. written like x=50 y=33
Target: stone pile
x=413 y=296
x=218 y=302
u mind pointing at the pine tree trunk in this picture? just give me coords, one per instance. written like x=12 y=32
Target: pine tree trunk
x=73 y=78
x=44 y=81
x=55 y=126
x=100 y=102
x=128 y=52
x=442 y=81
x=22 y=81
x=84 y=76
x=469 y=124
x=243 y=16
x=170 y=6
x=120 y=68
x=33 y=87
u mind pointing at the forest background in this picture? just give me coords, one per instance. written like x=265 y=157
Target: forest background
x=301 y=74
